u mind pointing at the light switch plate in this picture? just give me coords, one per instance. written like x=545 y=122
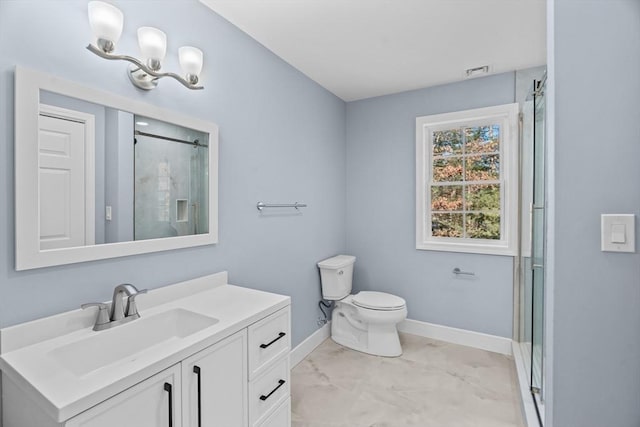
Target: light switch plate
x=618 y=233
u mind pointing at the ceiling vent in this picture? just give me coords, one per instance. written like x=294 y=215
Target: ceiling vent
x=471 y=73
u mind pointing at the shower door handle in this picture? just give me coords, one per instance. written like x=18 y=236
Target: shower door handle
x=531 y=229
x=532 y=209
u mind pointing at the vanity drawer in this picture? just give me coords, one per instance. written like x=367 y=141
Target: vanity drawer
x=281 y=417
x=269 y=339
x=268 y=391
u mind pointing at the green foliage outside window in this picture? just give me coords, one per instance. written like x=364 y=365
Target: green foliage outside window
x=465 y=190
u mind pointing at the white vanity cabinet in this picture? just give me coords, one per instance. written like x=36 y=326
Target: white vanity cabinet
x=224 y=362
x=219 y=386
x=209 y=389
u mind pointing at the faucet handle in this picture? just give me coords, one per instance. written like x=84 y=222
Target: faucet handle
x=103 y=314
x=132 y=310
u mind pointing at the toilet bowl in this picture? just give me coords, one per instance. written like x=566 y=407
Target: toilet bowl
x=365 y=321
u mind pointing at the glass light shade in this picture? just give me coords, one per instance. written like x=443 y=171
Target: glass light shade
x=191 y=59
x=152 y=42
x=106 y=21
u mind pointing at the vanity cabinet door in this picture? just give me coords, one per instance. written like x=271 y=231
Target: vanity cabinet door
x=214 y=385
x=154 y=402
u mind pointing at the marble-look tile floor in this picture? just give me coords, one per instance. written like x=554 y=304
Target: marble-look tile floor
x=433 y=384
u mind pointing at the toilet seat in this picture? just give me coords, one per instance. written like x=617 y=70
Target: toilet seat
x=378 y=301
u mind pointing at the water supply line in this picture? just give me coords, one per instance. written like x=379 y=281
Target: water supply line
x=322 y=303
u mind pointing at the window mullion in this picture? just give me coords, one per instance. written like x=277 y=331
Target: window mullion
x=464 y=185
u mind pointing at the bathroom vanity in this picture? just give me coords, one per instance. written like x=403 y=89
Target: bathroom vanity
x=203 y=353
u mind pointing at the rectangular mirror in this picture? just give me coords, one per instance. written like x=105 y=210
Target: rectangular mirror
x=100 y=175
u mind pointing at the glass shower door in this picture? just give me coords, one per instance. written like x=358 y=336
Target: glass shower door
x=171 y=176
x=537 y=240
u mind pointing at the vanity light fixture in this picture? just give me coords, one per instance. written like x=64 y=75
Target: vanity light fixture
x=106 y=23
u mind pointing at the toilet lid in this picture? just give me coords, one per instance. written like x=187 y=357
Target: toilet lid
x=378 y=301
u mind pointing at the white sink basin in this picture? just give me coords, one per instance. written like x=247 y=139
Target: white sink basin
x=126 y=342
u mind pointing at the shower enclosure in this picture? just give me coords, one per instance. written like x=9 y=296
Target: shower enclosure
x=531 y=263
x=171 y=180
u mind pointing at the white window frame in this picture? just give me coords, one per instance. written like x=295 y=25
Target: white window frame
x=507 y=117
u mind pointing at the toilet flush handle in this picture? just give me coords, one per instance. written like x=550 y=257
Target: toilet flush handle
x=340 y=273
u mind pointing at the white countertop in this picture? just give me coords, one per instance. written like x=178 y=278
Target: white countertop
x=63 y=394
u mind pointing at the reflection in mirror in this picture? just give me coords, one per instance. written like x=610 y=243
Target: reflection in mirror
x=84 y=190
x=171 y=189
x=109 y=176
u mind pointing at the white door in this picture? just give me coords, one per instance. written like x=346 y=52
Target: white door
x=214 y=385
x=155 y=402
x=66 y=195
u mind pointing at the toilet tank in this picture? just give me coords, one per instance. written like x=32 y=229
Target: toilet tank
x=336 y=274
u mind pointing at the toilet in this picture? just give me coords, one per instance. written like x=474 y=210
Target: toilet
x=365 y=321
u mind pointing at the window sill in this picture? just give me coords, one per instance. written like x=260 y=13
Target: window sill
x=469 y=248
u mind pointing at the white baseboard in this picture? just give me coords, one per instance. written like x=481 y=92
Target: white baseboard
x=529 y=415
x=429 y=330
x=457 y=336
x=303 y=349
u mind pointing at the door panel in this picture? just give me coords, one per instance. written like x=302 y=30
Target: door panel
x=62 y=183
x=143 y=405
x=221 y=399
x=538 y=240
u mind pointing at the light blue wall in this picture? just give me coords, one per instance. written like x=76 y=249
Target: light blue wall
x=381 y=212
x=596 y=341
x=282 y=139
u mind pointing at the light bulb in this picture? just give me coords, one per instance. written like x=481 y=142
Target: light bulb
x=106 y=23
x=153 y=45
x=191 y=59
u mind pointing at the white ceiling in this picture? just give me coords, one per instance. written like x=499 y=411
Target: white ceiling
x=363 y=48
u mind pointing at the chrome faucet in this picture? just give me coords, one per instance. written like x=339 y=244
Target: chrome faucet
x=118 y=314
x=117 y=306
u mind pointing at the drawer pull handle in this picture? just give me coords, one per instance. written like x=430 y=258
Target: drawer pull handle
x=280 y=384
x=167 y=388
x=280 y=335
x=196 y=370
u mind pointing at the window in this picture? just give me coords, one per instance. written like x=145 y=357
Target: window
x=467 y=182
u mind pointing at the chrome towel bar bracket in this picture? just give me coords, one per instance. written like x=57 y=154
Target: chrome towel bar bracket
x=296 y=205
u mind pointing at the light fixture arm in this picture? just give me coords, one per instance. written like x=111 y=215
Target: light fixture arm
x=142 y=67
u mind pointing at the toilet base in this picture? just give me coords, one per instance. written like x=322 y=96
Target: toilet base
x=379 y=339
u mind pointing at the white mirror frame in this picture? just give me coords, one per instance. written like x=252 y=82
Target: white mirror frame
x=28 y=84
